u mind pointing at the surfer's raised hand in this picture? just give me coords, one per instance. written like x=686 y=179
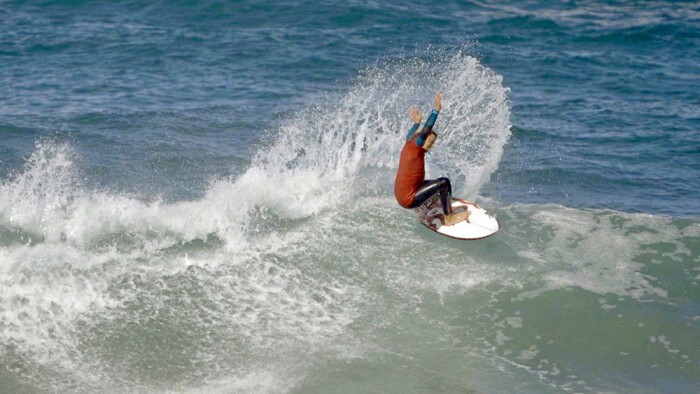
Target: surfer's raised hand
x=438 y=100
x=415 y=114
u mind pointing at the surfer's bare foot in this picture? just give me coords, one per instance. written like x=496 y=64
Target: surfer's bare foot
x=455 y=218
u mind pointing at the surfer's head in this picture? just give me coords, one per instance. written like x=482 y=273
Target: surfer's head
x=429 y=141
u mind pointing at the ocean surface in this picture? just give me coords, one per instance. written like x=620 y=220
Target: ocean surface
x=197 y=196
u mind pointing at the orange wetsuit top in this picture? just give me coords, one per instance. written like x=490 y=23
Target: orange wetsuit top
x=411 y=173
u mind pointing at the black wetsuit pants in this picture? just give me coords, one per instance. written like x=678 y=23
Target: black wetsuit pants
x=430 y=188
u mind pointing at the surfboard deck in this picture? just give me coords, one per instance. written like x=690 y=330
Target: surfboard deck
x=480 y=224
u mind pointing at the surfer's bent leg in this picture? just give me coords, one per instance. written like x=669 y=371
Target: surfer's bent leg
x=429 y=188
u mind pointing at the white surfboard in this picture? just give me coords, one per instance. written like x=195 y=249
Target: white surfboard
x=479 y=225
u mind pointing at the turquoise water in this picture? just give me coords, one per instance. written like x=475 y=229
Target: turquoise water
x=197 y=197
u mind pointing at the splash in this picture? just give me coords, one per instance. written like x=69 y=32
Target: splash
x=40 y=197
x=319 y=153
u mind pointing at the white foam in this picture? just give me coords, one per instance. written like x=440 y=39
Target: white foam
x=596 y=250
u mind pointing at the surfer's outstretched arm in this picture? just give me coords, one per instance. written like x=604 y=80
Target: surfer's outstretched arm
x=431 y=120
x=416 y=116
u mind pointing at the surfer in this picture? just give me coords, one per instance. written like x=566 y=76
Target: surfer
x=411 y=188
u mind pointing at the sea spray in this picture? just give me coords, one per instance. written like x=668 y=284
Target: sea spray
x=320 y=151
x=37 y=199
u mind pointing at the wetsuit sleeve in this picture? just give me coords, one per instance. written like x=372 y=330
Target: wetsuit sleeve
x=412 y=130
x=426 y=129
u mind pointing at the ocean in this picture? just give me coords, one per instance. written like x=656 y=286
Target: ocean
x=197 y=196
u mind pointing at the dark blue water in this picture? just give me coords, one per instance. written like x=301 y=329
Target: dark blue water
x=132 y=133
